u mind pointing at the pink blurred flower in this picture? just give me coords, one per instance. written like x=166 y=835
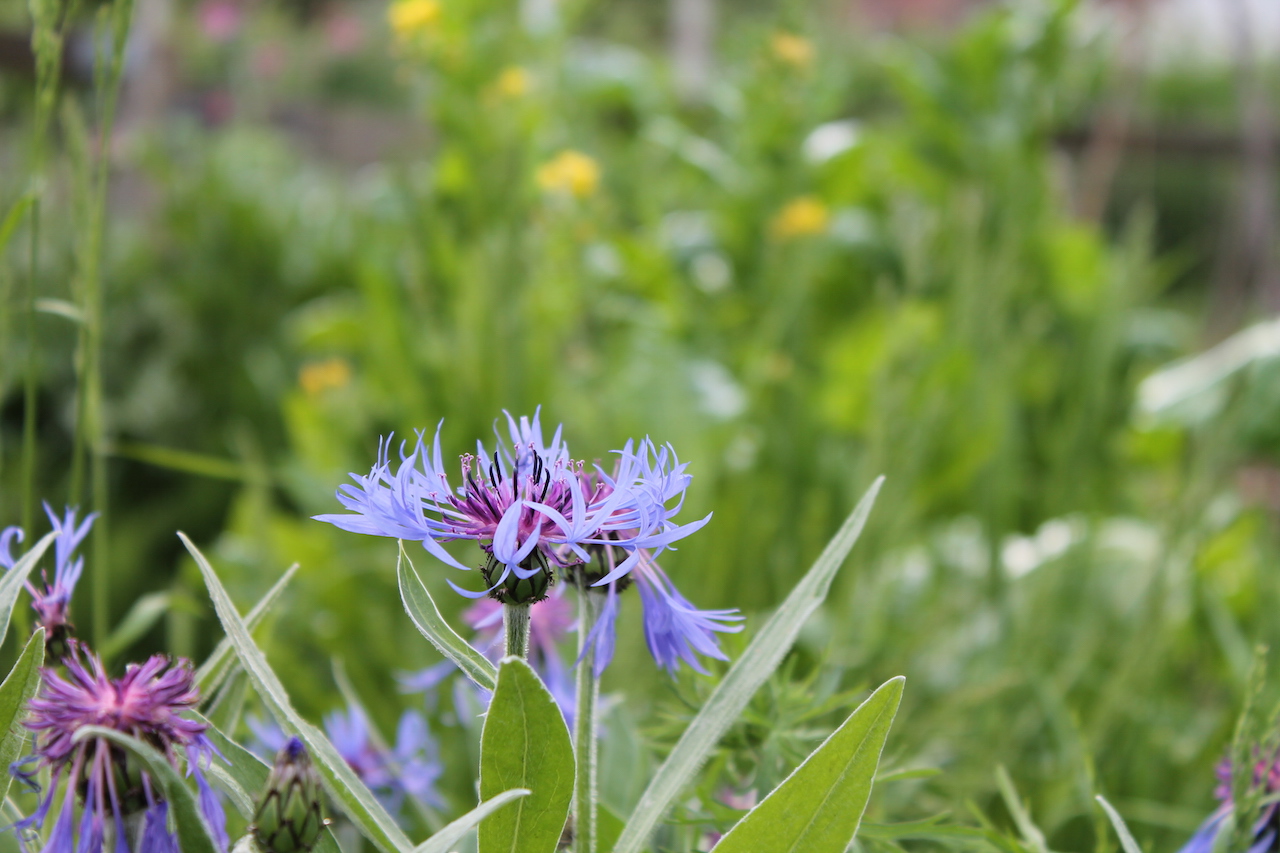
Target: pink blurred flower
x=269 y=59
x=343 y=32
x=220 y=20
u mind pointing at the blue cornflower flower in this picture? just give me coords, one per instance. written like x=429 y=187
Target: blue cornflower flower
x=528 y=505
x=1266 y=775
x=51 y=601
x=411 y=766
x=146 y=703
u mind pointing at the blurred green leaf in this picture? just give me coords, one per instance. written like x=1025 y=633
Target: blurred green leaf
x=222 y=659
x=444 y=840
x=525 y=744
x=1122 y=829
x=146 y=611
x=757 y=663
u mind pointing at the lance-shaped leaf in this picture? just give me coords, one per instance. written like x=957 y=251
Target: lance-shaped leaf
x=222 y=661
x=525 y=744
x=194 y=835
x=341 y=782
x=426 y=616
x=1127 y=840
x=742 y=681
x=444 y=840
x=818 y=807
x=11 y=581
x=18 y=688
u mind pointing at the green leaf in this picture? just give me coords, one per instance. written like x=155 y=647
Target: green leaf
x=13 y=217
x=18 y=688
x=426 y=616
x=11 y=581
x=1031 y=834
x=248 y=773
x=525 y=744
x=193 y=833
x=444 y=840
x=144 y=613
x=818 y=807
x=608 y=828
x=342 y=783
x=220 y=663
x=1122 y=829
x=742 y=680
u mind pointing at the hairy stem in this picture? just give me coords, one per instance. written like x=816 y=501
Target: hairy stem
x=515 y=620
x=590 y=602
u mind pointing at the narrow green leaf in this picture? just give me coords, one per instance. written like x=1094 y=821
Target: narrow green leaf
x=18 y=688
x=818 y=807
x=525 y=744
x=342 y=783
x=146 y=611
x=249 y=774
x=11 y=581
x=1127 y=840
x=193 y=833
x=220 y=663
x=426 y=616
x=760 y=659
x=1027 y=828
x=444 y=840
x=13 y=217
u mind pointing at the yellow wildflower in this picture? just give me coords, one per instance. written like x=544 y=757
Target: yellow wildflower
x=570 y=172
x=413 y=17
x=793 y=50
x=800 y=217
x=512 y=83
x=316 y=377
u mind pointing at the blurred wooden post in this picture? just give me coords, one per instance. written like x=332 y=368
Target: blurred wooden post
x=692 y=38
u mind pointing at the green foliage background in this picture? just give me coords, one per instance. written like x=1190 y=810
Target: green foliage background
x=952 y=325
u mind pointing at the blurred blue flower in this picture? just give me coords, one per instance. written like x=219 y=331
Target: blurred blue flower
x=411 y=766
x=1266 y=776
x=52 y=600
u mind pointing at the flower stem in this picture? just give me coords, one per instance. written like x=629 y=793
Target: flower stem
x=590 y=603
x=515 y=619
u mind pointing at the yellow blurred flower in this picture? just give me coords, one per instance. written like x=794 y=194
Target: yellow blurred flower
x=316 y=377
x=512 y=83
x=800 y=217
x=570 y=172
x=792 y=49
x=413 y=17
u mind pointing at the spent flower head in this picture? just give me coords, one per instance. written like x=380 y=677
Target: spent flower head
x=110 y=785
x=52 y=600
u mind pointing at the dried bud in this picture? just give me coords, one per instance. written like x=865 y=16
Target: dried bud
x=288 y=817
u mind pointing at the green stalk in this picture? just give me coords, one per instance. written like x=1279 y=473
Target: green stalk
x=515 y=622
x=590 y=603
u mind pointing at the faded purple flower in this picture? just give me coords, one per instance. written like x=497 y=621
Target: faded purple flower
x=146 y=703
x=51 y=601
x=1266 y=777
x=528 y=506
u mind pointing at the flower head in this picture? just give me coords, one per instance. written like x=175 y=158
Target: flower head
x=791 y=49
x=570 y=173
x=800 y=217
x=410 y=18
x=288 y=818
x=51 y=601
x=1266 y=824
x=527 y=505
x=147 y=704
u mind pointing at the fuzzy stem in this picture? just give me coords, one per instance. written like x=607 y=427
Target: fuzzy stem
x=515 y=620
x=585 y=750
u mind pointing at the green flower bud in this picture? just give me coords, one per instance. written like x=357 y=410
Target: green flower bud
x=288 y=817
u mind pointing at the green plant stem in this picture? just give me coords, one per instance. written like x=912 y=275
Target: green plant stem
x=515 y=621
x=590 y=603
